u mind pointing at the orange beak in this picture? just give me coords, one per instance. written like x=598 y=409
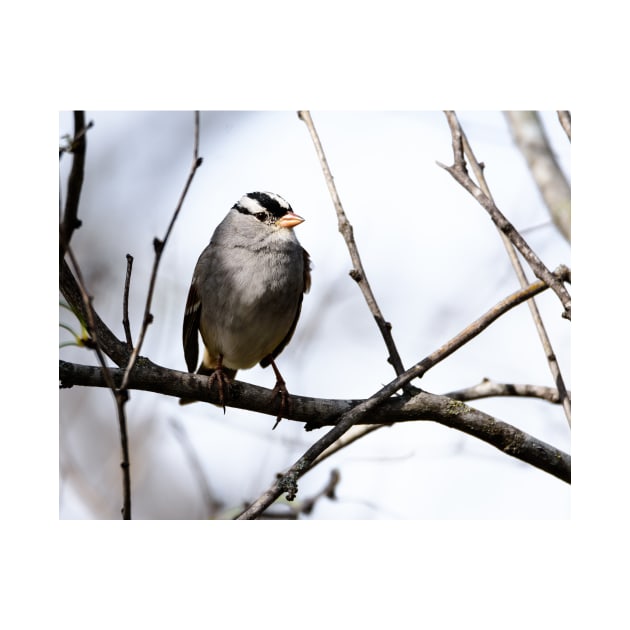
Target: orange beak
x=289 y=220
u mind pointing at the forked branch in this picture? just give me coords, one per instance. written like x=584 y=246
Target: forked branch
x=460 y=174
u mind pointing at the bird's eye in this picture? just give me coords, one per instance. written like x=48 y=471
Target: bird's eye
x=261 y=216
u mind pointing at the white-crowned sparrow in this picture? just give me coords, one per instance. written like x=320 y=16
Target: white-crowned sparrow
x=246 y=292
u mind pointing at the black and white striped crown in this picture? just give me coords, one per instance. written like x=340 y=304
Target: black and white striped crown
x=255 y=202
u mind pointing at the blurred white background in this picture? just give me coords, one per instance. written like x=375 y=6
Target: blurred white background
x=435 y=263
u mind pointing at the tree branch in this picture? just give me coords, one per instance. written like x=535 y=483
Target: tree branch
x=447 y=411
x=489 y=389
x=115 y=349
x=550 y=355
x=348 y=439
x=320 y=412
x=126 y=325
x=345 y=227
x=120 y=396
x=77 y=146
x=288 y=481
x=565 y=121
x=459 y=173
x=530 y=137
x=158 y=246
x=68 y=224
x=306 y=506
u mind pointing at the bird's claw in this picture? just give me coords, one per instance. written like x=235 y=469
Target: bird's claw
x=281 y=390
x=223 y=384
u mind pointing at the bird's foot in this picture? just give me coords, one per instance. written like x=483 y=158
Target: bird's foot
x=280 y=390
x=223 y=384
x=285 y=403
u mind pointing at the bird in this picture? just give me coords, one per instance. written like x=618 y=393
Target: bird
x=246 y=293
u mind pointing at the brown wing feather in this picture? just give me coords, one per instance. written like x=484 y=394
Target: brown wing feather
x=307 y=285
x=190 y=329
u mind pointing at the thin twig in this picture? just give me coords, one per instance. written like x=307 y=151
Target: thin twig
x=71 y=143
x=90 y=319
x=115 y=349
x=358 y=272
x=158 y=246
x=69 y=223
x=489 y=389
x=474 y=329
x=552 y=361
x=304 y=506
x=120 y=396
x=565 y=120
x=68 y=328
x=460 y=174
x=122 y=392
x=70 y=220
x=126 y=325
x=287 y=482
x=328 y=491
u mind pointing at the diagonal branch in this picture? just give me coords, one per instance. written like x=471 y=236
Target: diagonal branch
x=346 y=440
x=158 y=246
x=115 y=349
x=565 y=120
x=472 y=330
x=507 y=438
x=552 y=361
x=460 y=174
x=288 y=481
x=345 y=227
x=120 y=396
x=530 y=137
x=357 y=274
